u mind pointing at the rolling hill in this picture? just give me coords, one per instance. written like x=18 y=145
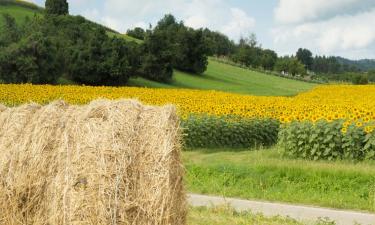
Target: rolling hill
x=18 y=9
x=218 y=76
x=229 y=78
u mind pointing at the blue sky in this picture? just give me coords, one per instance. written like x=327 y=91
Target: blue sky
x=329 y=27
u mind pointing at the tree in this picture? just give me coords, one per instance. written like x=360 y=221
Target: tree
x=305 y=57
x=157 y=57
x=217 y=43
x=268 y=59
x=57 y=7
x=10 y=31
x=360 y=79
x=137 y=33
x=290 y=65
x=32 y=60
x=102 y=60
x=187 y=45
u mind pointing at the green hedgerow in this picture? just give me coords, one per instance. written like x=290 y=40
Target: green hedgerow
x=229 y=131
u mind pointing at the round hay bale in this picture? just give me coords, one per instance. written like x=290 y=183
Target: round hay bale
x=109 y=162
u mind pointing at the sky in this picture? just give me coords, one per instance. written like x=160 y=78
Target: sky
x=326 y=27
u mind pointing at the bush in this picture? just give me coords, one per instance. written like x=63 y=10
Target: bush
x=210 y=131
x=326 y=141
x=360 y=79
x=31 y=60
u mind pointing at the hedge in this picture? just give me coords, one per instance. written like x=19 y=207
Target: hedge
x=229 y=131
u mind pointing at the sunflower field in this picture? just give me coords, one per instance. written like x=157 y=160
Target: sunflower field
x=353 y=106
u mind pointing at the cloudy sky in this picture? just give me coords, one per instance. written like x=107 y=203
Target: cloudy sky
x=330 y=27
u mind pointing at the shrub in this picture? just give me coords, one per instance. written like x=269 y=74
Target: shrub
x=210 y=131
x=360 y=79
x=326 y=141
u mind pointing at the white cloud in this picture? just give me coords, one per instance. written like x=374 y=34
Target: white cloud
x=214 y=14
x=240 y=23
x=334 y=27
x=297 y=11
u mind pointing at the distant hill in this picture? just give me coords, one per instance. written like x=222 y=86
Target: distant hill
x=363 y=64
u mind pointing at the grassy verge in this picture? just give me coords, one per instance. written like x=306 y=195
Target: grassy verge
x=264 y=175
x=224 y=216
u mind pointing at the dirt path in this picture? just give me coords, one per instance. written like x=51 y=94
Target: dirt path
x=301 y=213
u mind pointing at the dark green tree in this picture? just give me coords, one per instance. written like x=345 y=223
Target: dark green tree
x=187 y=45
x=290 y=65
x=137 y=33
x=10 y=32
x=157 y=57
x=102 y=60
x=218 y=44
x=57 y=7
x=31 y=60
x=305 y=57
x=268 y=59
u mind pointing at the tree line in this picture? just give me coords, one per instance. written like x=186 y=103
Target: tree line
x=56 y=45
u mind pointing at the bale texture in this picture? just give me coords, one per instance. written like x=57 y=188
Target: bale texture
x=109 y=162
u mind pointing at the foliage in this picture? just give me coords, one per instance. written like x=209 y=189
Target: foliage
x=157 y=57
x=327 y=140
x=305 y=57
x=31 y=60
x=360 y=79
x=137 y=32
x=186 y=45
x=112 y=60
x=57 y=7
x=75 y=48
x=10 y=31
x=210 y=131
x=290 y=65
x=268 y=59
x=218 y=44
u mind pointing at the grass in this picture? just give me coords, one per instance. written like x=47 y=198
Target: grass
x=224 y=216
x=223 y=77
x=18 y=12
x=124 y=36
x=264 y=175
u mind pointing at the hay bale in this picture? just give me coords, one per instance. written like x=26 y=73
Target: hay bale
x=109 y=162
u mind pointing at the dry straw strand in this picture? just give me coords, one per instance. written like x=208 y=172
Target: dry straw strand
x=108 y=162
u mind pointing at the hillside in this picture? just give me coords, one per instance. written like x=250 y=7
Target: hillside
x=18 y=9
x=362 y=64
x=228 y=78
x=218 y=76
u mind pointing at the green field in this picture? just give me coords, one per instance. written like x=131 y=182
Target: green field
x=229 y=78
x=18 y=12
x=265 y=175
